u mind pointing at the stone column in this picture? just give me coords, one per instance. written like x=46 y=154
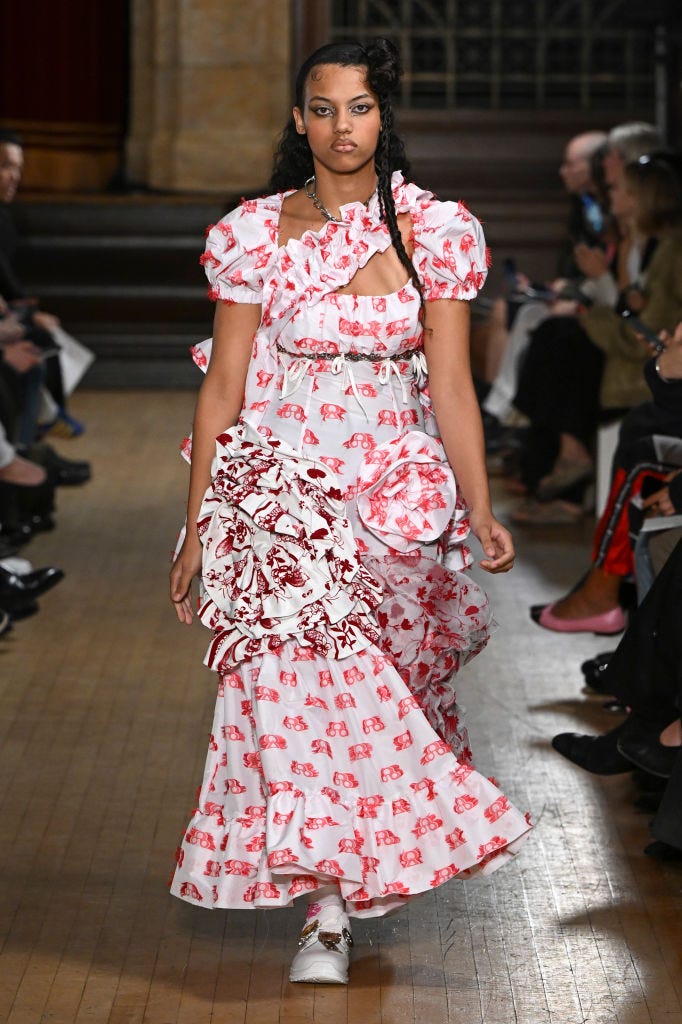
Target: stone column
x=210 y=91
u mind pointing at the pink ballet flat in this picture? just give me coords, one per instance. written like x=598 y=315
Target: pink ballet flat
x=605 y=624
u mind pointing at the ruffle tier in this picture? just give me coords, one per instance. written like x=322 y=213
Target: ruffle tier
x=323 y=769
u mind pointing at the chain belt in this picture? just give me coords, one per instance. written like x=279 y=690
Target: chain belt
x=355 y=357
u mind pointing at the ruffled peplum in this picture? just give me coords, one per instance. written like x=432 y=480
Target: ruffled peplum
x=279 y=560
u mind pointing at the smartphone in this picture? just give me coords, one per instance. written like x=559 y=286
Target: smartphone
x=650 y=484
x=572 y=292
x=541 y=294
x=640 y=328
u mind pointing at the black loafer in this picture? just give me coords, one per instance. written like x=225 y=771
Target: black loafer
x=39 y=581
x=23 y=610
x=596 y=754
x=648 y=753
x=29 y=586
x=42 y=522
x=593 y=670
x=60 y=471
x=70 y=476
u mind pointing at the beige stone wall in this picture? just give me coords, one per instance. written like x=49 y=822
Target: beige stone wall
x=210 y=91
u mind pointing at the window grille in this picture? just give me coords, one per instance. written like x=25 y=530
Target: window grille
x=505 y=54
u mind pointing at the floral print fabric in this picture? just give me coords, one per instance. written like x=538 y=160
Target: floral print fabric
x=279 y=560
x=333 y=539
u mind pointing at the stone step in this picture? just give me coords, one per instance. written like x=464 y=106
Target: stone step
x=118 y=215
x=144 y=305
x=127 y=356
x=56 y=261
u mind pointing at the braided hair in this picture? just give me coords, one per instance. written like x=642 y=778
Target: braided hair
x=294 y=160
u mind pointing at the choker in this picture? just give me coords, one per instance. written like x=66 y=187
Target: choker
x=310 y=189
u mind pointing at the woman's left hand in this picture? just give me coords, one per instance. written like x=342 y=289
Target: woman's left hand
x=496 y=542
x=591 y=261
x=659 y=504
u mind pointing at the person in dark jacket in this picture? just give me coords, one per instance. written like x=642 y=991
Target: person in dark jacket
x=645 y=673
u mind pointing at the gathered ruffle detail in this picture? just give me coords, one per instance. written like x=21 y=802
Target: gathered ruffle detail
x=270 y=854
x=240 y=249
x=279 y=560
x=318 y=263
x=449 y=252
x=406 y=491
x=243 y=262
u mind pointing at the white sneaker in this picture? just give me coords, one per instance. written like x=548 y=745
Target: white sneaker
x=324 y=948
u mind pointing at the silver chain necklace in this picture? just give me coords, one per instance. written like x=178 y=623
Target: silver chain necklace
x=310 y=189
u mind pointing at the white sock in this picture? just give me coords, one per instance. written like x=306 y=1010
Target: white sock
x=325 y=901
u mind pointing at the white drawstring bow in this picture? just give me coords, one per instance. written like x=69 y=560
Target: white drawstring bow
x=295 y=369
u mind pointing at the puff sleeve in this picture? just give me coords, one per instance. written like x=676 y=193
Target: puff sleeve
x=450 y=253
x=239 y=249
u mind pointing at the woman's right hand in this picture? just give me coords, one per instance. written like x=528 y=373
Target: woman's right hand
x=669 y=361
x=591 y=261
x=185 y=567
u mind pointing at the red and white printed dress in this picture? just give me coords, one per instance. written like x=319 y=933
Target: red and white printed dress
x=333 y=539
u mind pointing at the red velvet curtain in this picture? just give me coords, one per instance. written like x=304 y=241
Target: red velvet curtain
x=64 y=61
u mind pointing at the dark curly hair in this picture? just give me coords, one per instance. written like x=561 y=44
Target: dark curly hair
x=294 y=160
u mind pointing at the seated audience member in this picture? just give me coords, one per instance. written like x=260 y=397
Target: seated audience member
x=18 y=353
x=580 y=368
x=38 y=324
x=603 y=260
x=20 y=400
x=16 y=470
x=512 y=319
x=626 y=143
x=26 y=484
x=650 y=445
x=21 y=378
x=645 y=673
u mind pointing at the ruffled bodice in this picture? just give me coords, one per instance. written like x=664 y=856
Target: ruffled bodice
x=244 y=263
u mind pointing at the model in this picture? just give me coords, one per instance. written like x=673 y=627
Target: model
x=324 y=519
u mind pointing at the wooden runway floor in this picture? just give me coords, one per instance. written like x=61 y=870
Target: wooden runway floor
x=104 y=717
